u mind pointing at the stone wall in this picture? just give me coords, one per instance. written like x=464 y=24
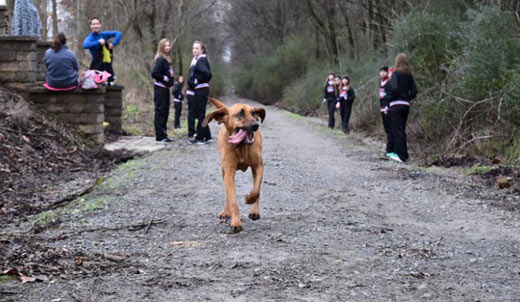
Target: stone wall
x=18 y=61
x=84 y=109
x=114 y=109
x=41 y=69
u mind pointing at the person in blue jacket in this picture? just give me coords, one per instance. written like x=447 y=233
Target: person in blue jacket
x=62 y=66
x=100 y=47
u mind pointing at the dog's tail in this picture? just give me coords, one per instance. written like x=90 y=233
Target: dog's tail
x=217 y=103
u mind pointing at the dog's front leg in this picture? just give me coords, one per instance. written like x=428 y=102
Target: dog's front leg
x=231 y=200
x=254 y=197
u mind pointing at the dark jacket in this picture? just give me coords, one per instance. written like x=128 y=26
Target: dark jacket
x=330 y=90
x=384 y=93
x=62 y=68
x=177 y=92
x=162 y=72
x=402 y=87
x=200 y=73
x=349 y=96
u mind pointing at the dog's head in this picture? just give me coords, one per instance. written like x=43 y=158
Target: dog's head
x=240 y=120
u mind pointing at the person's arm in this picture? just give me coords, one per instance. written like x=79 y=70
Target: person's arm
x=351 y=94
x=413 y=89
x=393 y=86
x=204 y=73
x=158 y=71
x=117 y=35
x=90 y=43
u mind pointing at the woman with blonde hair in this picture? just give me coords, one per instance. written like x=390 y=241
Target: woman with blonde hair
x=198 y=94
x=164 y=77
x=402 y=91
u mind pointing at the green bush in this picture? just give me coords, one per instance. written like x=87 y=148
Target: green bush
x=265 y=79
x=490 y=52
x=430 y=38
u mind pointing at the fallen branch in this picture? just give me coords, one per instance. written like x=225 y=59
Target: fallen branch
x=70 y=198
x=130 y=227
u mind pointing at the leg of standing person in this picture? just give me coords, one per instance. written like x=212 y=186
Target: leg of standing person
x=161 y=101
x=192 y=106
x=203 y=134
x=388 y=131
x=178 y=111
x=399 y=116
x=342 y=112
x=348 y=111
x=331 y=105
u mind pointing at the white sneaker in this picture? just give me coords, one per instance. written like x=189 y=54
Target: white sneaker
x=395 y=157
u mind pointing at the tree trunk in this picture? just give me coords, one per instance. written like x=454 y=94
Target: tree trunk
x=54 y=18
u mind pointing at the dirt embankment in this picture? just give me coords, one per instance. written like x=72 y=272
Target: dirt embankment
x=38 y=154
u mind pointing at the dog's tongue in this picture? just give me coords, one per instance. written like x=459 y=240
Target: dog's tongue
x=239 y=137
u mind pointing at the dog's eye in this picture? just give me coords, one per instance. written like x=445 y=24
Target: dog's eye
x=241 y=114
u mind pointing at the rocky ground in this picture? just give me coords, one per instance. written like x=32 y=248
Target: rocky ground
x=338 y=223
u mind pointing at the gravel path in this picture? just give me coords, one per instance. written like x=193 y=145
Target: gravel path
x=338 y=224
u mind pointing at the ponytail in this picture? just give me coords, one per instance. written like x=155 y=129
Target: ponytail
x=59 y=41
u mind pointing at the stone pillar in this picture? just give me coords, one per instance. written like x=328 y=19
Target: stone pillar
x=41 y=48
x=84 y=109
x=114 y=109
x=18 y=65
x=4 y=22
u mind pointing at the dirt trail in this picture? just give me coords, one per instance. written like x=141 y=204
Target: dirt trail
x=338 y=224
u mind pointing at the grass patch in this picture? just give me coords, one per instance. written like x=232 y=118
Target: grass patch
x=479 y=169
x=5 y=278
x=293 y=115
x=96 y=204
x=46 y=217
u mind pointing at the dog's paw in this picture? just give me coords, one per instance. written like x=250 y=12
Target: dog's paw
x=224 y=215
x=254 y=216
x=235 y=229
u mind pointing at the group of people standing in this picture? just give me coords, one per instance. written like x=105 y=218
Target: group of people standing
x=197 y=93
x=339 y=93
x=396 y=90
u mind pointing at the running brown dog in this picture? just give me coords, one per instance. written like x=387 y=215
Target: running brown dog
x=240 y=147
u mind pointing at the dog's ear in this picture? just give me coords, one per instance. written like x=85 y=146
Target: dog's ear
x=259 y=112
x=215 y=115
x=217 y=103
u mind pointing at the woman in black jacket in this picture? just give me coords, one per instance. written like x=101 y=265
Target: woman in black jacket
x=402 y=91
x=178 y=96
x=346 y=99
x=198 y=91
x=163 y=75
x=331 y=97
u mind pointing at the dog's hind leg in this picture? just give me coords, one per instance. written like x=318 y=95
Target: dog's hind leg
x=231 y=200
x=254 y=197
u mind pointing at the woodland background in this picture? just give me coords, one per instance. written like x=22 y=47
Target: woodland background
x=464 y=55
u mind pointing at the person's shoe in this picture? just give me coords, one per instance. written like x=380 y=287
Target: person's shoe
x=209 y=140
x=165 y=140
x=395 y=157
x=197 y=142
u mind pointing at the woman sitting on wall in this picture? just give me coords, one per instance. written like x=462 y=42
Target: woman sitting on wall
x=62 y=66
